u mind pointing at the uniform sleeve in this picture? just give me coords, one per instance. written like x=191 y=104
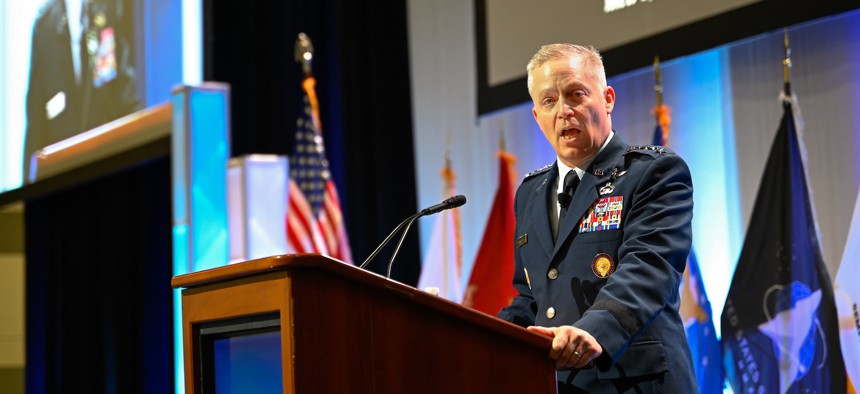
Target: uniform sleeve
x=652 y=256
x=523 y=307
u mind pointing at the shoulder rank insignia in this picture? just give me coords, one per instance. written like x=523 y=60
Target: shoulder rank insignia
x=539 y=171
x=660 y=150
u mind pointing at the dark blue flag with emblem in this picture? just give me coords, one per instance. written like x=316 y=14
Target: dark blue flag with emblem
x=780 y=331
x=695 y=307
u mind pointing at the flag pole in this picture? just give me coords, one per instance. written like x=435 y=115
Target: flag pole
x=449 y=142
x=304 y=53
x=786 y=64
x=502 y=141
x=658 y=85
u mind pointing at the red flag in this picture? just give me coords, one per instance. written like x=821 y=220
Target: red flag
x=314 y=220
x=490 y=288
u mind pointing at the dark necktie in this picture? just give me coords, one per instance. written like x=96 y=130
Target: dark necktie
x=571 y=181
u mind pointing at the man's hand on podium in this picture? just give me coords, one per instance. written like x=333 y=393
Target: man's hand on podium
x=571 y=347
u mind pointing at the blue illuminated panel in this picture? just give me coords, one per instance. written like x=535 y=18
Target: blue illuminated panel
x=200 y=148
x=210 y=150
x=248 y=364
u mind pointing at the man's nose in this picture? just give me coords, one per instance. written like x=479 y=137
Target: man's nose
x=565 y=110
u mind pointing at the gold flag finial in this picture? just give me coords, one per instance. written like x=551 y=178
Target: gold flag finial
x=658 y=84
x=304 y=53
x=786 y=64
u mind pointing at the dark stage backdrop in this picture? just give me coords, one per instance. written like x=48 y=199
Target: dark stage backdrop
x=362 y=70
x=99 y=301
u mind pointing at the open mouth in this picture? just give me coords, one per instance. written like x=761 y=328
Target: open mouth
x=568 y=134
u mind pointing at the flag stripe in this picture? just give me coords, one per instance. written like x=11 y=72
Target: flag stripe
x=298 y=222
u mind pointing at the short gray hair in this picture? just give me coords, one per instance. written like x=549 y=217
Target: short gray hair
x=591 y=59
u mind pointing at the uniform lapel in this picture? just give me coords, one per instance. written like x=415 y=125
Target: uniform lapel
x=597 y=174
x=538 y=211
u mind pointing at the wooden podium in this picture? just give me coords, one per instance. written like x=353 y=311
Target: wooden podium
x=346 y=330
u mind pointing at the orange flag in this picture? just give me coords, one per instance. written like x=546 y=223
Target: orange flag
x=443 y=262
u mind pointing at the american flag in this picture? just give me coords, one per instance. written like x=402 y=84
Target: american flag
x=314 y=220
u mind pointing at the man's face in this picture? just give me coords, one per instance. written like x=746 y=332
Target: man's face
x=571 y=108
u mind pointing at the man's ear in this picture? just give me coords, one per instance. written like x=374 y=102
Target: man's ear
x=609 y=97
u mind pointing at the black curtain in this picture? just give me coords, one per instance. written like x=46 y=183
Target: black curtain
x=99 y=301
x=362 y=70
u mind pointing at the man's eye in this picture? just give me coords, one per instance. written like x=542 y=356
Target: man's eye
x=548 y=102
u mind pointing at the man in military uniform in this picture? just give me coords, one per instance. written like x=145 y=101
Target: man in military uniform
x=81 y=73
x=601 y=240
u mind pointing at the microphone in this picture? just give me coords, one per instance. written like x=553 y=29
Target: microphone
x=449 y=203
x=564 y=199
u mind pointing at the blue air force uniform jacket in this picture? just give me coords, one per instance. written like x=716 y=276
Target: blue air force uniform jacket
x=614 y=270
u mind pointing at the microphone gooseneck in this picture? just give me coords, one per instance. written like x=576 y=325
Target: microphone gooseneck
x=386 y=240
x=449 y=203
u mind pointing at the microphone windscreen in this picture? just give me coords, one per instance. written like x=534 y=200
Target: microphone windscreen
x=457 y=201
x=564 y=199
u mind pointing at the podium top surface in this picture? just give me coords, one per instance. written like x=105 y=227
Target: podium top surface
x=260 y=266
x=347 y=271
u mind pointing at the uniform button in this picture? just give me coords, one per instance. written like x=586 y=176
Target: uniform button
x=552 y=274
x=550 y=313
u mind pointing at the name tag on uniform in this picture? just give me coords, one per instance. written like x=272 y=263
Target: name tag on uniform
x=522 y=240
x=605 y=214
